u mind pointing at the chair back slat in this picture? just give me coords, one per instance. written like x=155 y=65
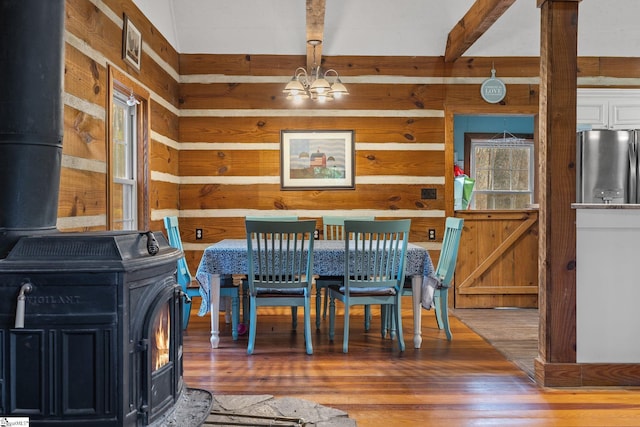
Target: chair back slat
x=449 y=252
x=379 y=253
x=281 y=254
x=333 y=226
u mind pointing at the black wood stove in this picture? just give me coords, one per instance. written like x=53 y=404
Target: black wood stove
x=90 y=331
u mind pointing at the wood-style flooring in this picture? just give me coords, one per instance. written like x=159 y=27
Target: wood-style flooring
x=513 y=331
x=465 y=382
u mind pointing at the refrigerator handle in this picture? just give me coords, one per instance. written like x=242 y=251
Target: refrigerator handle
x=633 y=169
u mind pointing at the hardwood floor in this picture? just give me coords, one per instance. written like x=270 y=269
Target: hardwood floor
x=514 y=332
x=465 y=382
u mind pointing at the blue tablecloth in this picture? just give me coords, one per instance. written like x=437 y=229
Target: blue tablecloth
x=230 y=257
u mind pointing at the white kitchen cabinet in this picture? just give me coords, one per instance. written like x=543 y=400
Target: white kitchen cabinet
x=607 y=291
x=608 y=108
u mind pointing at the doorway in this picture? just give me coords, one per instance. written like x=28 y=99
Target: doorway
x=497 y=259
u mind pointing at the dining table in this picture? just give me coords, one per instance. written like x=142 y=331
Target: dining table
x=229 y=257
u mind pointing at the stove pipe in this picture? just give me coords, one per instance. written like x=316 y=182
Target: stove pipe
x=31 y=117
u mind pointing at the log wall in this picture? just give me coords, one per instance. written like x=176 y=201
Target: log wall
x=215 y=123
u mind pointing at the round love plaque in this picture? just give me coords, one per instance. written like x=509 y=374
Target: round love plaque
x=493 y=89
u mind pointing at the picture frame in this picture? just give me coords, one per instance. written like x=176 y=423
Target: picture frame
x=317 y=159
x=131 y=43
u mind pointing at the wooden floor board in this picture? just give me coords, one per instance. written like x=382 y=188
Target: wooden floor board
x=465 y=382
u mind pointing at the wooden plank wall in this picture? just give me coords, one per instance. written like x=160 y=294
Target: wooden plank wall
x=216 y=121
x=93 y=44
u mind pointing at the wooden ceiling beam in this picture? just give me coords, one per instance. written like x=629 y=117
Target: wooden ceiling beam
x=315 y=30
x=478 y=19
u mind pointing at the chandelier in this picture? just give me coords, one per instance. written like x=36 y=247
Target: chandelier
x=314 y=84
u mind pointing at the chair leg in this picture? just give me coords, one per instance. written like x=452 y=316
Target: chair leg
x=444 y=307
x=318 y=304
x=253 y=315
x=367 y=317
x=398 y=321
x=235 y=316
x=332 y=318
x=436 y=308
x=384 y=321
x=294 y=318
x=227 y=310
x=307 y=327
x=388 y=321
x=326 y=298
x=345 y=339
x=245 y=302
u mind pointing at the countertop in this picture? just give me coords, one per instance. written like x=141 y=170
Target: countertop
x=605 y=206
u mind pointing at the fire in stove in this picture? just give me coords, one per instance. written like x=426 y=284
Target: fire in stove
x=161 y=345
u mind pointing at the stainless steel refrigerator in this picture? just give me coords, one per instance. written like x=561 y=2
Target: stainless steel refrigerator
x=607 y=166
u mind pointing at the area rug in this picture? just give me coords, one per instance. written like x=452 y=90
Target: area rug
x=511 y=331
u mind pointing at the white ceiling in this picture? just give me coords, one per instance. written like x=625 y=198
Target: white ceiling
x=381 y=27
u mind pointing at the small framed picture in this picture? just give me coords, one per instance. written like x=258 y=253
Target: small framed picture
x=322 y=159
x=131 y=44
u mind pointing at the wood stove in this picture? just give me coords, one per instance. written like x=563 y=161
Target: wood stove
x=90 y=323
x=102 y=340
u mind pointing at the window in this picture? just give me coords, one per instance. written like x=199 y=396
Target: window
x=124 y=164
x=504 y=172
x=127 y=154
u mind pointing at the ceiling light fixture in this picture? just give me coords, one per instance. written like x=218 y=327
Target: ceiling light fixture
x=314 y=84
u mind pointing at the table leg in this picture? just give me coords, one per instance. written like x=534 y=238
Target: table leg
x=416 y=290
x=214 y=308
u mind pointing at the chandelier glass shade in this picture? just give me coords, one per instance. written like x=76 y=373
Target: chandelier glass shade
x=315 y=84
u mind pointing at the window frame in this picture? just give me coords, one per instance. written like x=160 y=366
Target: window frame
x=130 y=153
x=120 y=82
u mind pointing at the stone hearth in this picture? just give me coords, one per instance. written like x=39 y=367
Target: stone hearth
x=251 y=410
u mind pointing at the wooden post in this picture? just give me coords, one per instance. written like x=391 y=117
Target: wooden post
x=556 y=362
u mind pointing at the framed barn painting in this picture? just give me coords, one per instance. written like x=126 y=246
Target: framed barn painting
x=311 y=160
x=131 y=43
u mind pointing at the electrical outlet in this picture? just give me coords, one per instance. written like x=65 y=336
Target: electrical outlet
x=316 y=234
x=198 y=233
x=432 y=234
x=428 y=193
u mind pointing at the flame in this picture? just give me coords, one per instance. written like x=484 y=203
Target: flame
x=161 y=339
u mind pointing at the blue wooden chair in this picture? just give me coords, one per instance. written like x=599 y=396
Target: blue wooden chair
x=279 y=270
x=333 y=229
x=184 y=278
x=374 y=271
x=245 y=284
x=444 y=273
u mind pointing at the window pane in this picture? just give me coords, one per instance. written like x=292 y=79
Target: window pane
x=502 y=201
x=483 y=180
x=119 y=141
x=520 y=180
x=480 y=201
x=520 y=158
x=502 y=158
x=501 y=179
x=116 y=203
x=521 y=201
x=483 y=158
